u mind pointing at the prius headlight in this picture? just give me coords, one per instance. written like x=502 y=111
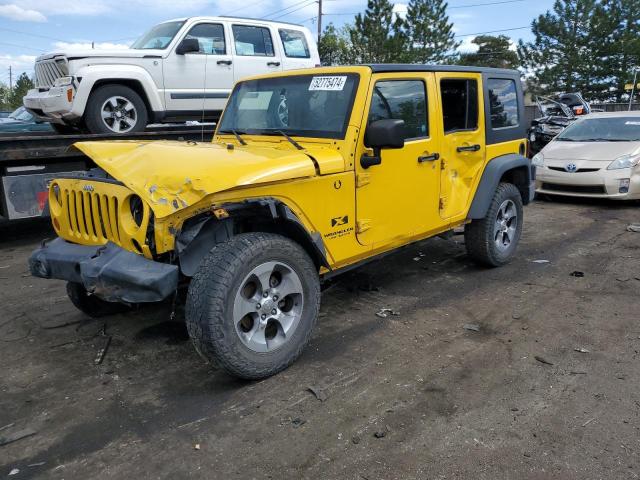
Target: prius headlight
x=538 y=160
x=624 y=161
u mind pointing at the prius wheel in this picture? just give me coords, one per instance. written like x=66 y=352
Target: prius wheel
x=253 y=303
x=493 y=240
x=115 y=109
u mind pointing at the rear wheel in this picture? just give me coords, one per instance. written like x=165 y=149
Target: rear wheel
x=115 y=109
x=92 y=305
x=492 y=240
x=253 y=303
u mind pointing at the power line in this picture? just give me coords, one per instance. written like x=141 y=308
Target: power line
x=288 y=8
x=491 y=31
x=292 y=11
x=31 y=34
x=485 y=4
x=231 y=12
x=20 y=46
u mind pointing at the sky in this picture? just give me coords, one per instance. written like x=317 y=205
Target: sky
x=31 y=27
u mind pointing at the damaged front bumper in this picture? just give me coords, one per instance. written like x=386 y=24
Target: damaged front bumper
x=107 y=271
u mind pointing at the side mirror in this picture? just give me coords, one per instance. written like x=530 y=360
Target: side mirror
x=388 y=133
x=188 y=45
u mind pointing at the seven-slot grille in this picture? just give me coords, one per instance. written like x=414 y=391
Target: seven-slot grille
x=47 y=71
x=94 y=213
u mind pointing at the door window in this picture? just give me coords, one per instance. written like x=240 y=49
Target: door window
x=210 y=36
x=503 y=102
x=402 y=100
x=459 y=104
x=253 y=41
x=295 y=45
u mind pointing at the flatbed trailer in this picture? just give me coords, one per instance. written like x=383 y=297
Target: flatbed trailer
x=29 y=161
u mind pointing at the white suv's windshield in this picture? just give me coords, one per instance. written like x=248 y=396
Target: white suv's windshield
x=302 y=105
x=159 y=37
x=602 y=129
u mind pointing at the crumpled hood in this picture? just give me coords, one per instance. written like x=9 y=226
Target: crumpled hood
x=171 y=176
x=598 y=151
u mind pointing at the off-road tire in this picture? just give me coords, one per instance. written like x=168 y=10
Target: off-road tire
x=479 y=235
x=92 y=305
x=210 y=304
x=92 y=114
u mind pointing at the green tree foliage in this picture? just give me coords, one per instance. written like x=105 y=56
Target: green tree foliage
x=377 y=36
x=4 y=97
x=569 y=50
x=429 y=32
x=335 y=46
x=622 y=51
x=23 y=84
x=493 y=51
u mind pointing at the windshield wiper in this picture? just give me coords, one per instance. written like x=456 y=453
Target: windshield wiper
x=291 y=140
x=236 y=134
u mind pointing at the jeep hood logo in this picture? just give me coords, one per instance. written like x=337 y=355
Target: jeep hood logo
x=336 y=222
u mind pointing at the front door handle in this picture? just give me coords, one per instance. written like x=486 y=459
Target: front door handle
x=469 y=148
x=428 y=158
x=224 y=62
x=273 y=64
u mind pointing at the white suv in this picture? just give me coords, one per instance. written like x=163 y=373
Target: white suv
x=180 y=70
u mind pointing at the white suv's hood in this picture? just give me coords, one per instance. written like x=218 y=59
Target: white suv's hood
x=597 y=151
x=88 y=53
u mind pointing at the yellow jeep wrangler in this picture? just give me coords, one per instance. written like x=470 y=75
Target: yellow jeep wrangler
x=310 y=173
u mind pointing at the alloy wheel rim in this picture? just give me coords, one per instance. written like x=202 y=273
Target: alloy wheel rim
x=119 y=114
x=268 y=306
x=506 y=225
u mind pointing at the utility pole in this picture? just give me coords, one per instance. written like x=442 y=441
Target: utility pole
x=319 y=20
x=10 y=79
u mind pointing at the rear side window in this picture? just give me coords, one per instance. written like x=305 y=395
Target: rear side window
x=503 y=103
x=402 y=100
x=295 y=45
x=252 y=41
x=210 y=36
x=459 y=104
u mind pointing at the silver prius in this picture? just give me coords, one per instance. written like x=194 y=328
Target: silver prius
x=597 y=156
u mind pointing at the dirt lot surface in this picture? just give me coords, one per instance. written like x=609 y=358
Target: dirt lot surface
x=409 y=396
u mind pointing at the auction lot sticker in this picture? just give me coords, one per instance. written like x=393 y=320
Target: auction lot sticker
x=327 y=83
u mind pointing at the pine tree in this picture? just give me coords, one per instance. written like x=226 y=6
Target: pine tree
x=377 y=36
x=623 y=52
x=23 y=84
x=492 y=52
x=429 y=31
x=569 y=47
x=335 y=46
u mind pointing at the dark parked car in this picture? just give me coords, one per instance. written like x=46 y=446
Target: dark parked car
x=557 y=114
x=22 y=121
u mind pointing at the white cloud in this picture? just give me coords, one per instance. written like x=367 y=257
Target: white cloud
x=467 y=46
x=19 y=14
x=88 y=46
x=18 y=63
x=400 y=9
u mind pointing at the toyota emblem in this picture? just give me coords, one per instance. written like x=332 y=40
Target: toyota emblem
x=571 y=167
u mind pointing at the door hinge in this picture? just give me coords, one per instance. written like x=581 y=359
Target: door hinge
x=443 y=203
x=362 y=179
x=363 y=225
x=443 y=164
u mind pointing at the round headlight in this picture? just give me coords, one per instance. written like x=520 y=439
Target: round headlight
x=137 y=209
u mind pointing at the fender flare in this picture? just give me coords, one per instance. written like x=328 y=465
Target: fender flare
x=199 y=234
x=94 y=73
x=521 y=173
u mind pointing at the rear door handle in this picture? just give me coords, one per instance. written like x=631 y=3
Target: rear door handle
x=428 y=158
x=469 y=148
x=273 y=64
x=224 y=62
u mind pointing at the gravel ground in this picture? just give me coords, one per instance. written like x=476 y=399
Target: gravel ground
x=409 y=396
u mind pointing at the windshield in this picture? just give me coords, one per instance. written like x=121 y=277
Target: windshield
x=158 y=37
x=21 y=114
x=302 y=105
x=602 y=129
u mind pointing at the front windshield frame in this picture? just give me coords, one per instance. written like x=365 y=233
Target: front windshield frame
x=223 y=129
x=148 y=36
x=566 y=134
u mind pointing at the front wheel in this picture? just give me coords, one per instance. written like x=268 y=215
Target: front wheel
x=115 y=109
x=252 y=304
x=492 y=240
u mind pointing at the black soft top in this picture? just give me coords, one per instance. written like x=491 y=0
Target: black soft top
x=409 y=67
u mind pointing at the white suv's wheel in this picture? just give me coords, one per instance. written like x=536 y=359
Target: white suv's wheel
x=115 y=109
